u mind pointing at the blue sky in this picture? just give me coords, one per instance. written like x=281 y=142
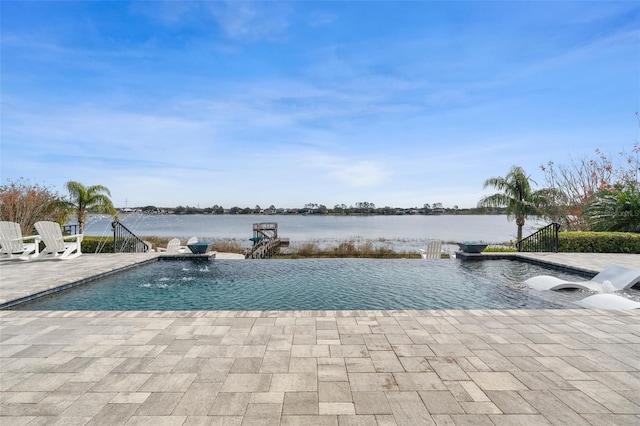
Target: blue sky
x=287 y=103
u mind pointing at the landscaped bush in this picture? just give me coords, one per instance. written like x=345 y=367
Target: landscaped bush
x=89 y=244
x=599 y=242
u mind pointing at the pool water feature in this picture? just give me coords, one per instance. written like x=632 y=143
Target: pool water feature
x=315 y=284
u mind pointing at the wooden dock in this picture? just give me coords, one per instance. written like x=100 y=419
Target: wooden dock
x=265 y=241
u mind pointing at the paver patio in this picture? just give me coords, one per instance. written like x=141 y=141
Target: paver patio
x=509 y=367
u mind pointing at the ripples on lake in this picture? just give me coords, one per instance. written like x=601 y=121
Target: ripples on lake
x=316 y=284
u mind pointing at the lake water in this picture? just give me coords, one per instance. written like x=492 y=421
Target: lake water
x=396 y=232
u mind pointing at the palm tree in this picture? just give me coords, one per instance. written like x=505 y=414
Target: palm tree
x=92 y=198
x=516 y=195
x=615 y=209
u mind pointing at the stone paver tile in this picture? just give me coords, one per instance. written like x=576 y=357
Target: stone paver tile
x=275 y=362
x=386 y=362
x=418 y=381
x=412 y=350
x=440 y=402
x=408 y=409
x=246 y=365
x=303 y=365
x=163 y=363
x=480 y=407
x=443 y=420
x=372 y=382
x=333 y=408
x=295 y=420
x=262 y=415
x=230 y=404
x=471 y=390
x=414 y=364
x=280 y=342
x=510 y=402
x=246 y=351
x=332 y=372
x=267 y=398
x=299 y=403
x=294 y=382
x=359 y=365
x=246 y=383
x=113 y=414
x=494 y=360
x=618 y=380
x=312 y=351
x=88 y=404
x=526 y=363
x=351 y=339
x=579 y=401
x=563 y=368
x=348 y=351
x=608 y=398
x=168 y=382
x=519 y=420
x=370 y=402
x=130 y=397
x=159 y=404
x=447 y=368
x=334 y=392
x=213 y=421
x=452 y=350
x=197 y=400
x=542 y=380
x=471 y=420
x=353 y=420
x=156 y=421
x=496 y=381
x=121 y=382
x=612 y=419
x=42 y=382
x=377 y=342
x=554 y=410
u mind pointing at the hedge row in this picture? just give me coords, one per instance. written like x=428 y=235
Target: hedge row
x=599 y=242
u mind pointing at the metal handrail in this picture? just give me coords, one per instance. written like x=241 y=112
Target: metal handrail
x=543 y=240
x=125 y=241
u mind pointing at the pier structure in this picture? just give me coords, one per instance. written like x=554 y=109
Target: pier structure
x=265 y=241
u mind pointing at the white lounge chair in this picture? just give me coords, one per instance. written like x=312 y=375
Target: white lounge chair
x=56 y=244
x=614 y=278
x=13 y=245
x=607 y=301
x=433 y=250
x=173 y=246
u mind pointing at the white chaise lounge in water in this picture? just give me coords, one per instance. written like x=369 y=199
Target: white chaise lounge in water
x=607 y=301
x=614 y=278
x=55 y=244
x=433 y=250
x=13 y=245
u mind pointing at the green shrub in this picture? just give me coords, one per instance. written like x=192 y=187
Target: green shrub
x=599 y=242
x=90 y=244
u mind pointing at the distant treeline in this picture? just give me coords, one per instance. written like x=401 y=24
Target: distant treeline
x=315 y=209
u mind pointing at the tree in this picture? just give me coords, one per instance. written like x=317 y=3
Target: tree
x=572 y=186
x=84 y=199
x=616 y=209
x=26 y=203
x=516 y=195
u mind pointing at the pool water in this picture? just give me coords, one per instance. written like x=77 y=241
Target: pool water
x=315 y=284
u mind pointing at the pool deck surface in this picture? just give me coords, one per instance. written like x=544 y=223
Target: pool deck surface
x=342 y=368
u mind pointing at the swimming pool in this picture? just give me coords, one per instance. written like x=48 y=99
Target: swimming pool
x=315 y=284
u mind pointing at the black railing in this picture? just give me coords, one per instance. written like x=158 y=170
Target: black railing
x=544 y=240
x=125 y=241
